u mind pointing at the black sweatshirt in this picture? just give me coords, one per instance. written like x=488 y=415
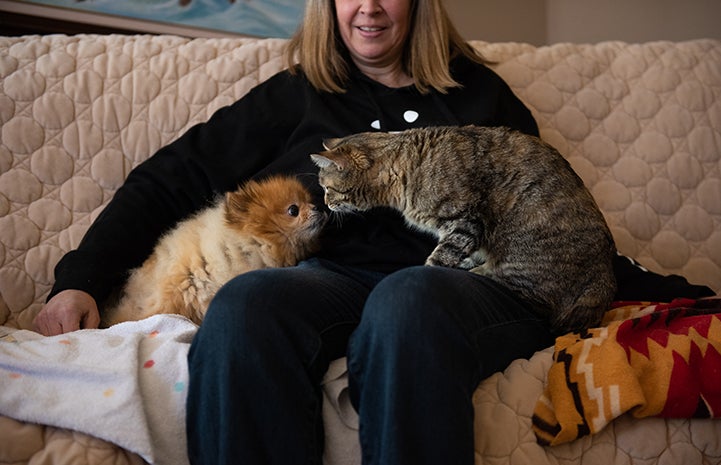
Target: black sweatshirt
x=274 y=129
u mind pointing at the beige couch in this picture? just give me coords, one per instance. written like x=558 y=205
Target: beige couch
x=641 y=124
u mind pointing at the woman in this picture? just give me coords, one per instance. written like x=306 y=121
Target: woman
x=418 y=339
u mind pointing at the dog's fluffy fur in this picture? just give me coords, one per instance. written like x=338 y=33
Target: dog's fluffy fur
x=271 y=223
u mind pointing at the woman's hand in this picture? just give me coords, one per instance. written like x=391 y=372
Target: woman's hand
x=67 y=311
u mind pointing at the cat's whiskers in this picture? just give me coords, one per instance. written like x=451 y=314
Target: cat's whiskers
x=336 y=217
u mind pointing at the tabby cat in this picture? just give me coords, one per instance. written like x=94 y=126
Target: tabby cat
x=503 y=204
x=268 y=223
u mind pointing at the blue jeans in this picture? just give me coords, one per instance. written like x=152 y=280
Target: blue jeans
x=418 y=343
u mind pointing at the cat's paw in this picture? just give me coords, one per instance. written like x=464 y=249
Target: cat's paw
x=444 y=255
x=482 y=270
x=477 y=259
x=430 y=262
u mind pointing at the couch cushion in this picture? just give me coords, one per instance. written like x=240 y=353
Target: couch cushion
x=640 y=123
x=78 y=113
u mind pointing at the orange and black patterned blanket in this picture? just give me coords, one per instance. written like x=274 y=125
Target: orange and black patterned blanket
x=647 y=359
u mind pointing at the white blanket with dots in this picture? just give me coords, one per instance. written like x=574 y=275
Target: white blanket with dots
x=126 y=384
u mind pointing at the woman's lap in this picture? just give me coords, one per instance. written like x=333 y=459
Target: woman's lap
x=273 y=333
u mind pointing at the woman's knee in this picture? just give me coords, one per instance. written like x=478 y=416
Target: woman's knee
x=406 y=307
x=246 y=311
x=414 y=303
x=411 y=293
x=301 y=306
x=411 y=327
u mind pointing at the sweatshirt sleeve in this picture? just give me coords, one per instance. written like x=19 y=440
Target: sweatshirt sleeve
x=179 y=179
x=638 y=283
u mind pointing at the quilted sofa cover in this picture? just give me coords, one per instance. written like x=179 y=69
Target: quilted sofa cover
x=641 y=124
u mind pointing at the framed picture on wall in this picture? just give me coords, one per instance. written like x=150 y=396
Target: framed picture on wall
x=259 y=18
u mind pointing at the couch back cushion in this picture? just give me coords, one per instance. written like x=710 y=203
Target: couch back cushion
x=641 y=124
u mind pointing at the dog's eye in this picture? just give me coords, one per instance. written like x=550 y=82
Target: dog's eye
x=293 y=210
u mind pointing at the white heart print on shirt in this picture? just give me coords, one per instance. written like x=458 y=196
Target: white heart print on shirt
x=409 y=116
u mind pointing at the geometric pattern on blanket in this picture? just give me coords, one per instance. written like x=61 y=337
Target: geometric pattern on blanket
x=648 y=360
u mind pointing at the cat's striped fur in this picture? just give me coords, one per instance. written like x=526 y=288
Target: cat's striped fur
x=503 y=204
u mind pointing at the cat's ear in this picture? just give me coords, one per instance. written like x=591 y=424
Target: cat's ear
x=330 y=144
x=324 y=162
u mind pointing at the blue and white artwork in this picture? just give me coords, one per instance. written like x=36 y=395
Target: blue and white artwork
x=263 y=18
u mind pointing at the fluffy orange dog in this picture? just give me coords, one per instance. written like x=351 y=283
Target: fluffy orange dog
x=264 y=224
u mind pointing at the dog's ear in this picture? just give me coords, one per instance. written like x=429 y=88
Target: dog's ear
x=238 y=202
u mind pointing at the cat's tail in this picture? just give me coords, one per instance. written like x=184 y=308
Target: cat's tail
x=587 y=309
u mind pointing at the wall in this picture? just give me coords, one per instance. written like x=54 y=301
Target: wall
x=632 y=20
x=550 y=21
x=500 y=20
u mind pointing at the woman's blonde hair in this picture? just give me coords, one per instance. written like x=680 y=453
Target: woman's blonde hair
x=432 y=42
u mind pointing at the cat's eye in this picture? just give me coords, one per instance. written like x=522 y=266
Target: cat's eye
x=293 y=210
